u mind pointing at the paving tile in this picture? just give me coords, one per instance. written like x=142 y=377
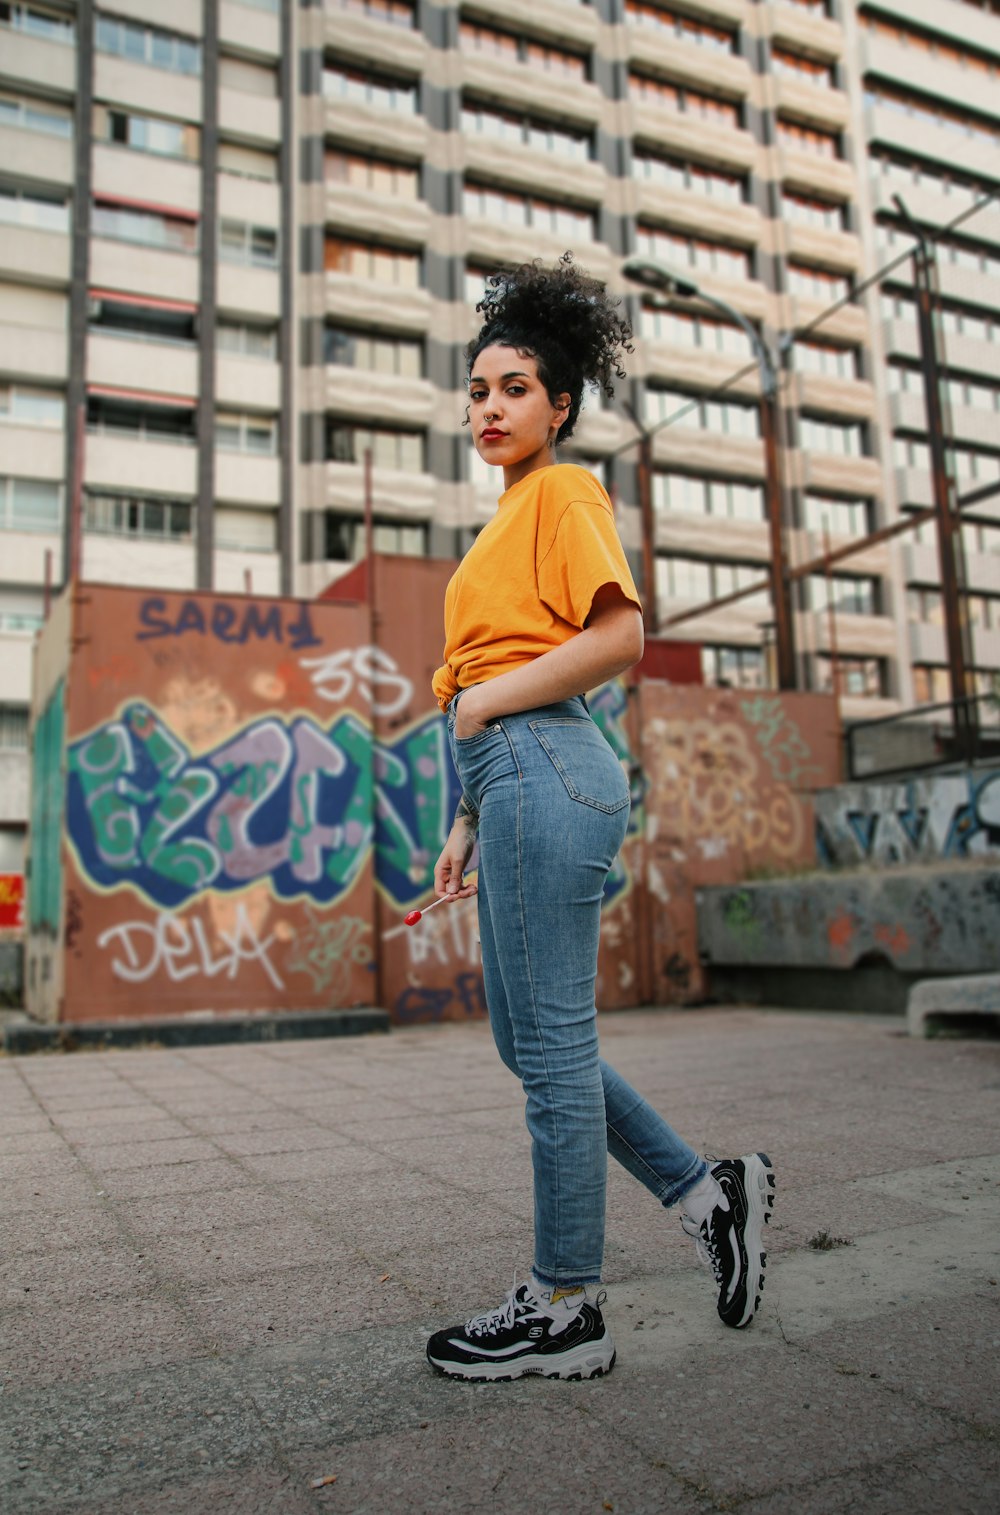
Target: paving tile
x=105 y=1336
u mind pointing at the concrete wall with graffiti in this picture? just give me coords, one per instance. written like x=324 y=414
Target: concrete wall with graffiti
x=729 y=778
x=934 y=818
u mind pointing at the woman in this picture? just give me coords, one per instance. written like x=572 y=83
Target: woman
x=542 y=608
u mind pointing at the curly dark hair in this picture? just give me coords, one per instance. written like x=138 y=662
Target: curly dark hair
x=562 y=318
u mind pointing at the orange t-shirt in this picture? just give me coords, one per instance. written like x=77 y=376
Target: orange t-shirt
x=528 y=581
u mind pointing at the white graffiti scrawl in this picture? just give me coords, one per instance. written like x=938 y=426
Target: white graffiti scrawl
x=372 y=671
x=182 y=949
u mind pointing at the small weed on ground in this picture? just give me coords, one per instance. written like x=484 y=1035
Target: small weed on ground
x=824 y=1242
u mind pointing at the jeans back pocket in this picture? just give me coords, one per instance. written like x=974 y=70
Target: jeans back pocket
x=584 y=761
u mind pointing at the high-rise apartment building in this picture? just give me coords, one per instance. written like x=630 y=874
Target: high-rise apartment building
x=241 y=242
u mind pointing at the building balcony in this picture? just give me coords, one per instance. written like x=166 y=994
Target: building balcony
x=37 y=354
x=403 y=223
x=349 y=34
x=16 y=659
x=866 y=636
x=252 y=382
x=36 y=61
x=831 y=472
x=522 y=167
x=812 y=174
x=895 y=129
x=927 y=644
x=402 y=496
x=986 y=648
x=696 y=535
x=33 y=452
x=708 y=452
x=499 y=242
x=830 y=396
x=716 y=73
x=815 y=36
x=244 y=28
x=914 y=486
x=372 y=128
x=126 y=362
x=848 y=324
x=252 y=118
x=150 y=91
x=132 y=269
x=254 y=292
x=600 y=430
x=962 y=423
x=519 y=84
x=968 y=285
x=30 y=256
x=932 y=207
x=817 y=104
x=364 y=302
x=575 y=24
x=15 y=777
x=963 y=23
x=839 y=250
x=379 y=398
x=36 y=156
x=256 y=201
x=684 y=211
x=129 y=463
x=138 y=561
x=690 y=136
x=921 y=565
x=25 y=554
x=684 y=367
x=244 y=478
x=921 y=71
x=131 y=175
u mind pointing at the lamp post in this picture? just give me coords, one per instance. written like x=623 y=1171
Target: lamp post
x=668 y=281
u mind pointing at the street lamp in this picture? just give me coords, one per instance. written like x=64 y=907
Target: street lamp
x=669 y=281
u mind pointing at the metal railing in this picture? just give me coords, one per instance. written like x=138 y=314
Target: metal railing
x=924 y=738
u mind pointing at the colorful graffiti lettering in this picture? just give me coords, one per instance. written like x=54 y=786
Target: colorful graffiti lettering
x=46 y=812
x=182 y=949
x=326 y=949
x=608 y=705
x=784 y=747
x=950 y=815
x=291 y=803
x=467 y=998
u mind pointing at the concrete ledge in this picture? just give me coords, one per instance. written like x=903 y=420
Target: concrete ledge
x=21 y=1036
x=969 y=1005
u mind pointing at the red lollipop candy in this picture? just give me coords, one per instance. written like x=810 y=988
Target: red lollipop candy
x=415 y=915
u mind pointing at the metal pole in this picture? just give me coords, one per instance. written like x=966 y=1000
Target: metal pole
x=649 y=615
x=781 y=593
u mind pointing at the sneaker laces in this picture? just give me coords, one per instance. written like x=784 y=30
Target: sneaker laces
x=705 y=1245
x=504 y=1316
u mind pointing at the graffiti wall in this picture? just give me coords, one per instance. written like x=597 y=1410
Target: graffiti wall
x=729 y=778
x=936 y=818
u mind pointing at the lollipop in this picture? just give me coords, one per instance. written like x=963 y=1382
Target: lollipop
x=415 y=915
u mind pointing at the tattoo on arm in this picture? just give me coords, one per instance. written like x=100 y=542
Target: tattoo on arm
x=467 y=814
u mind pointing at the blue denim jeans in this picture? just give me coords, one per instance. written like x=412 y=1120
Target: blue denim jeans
x=553 y=803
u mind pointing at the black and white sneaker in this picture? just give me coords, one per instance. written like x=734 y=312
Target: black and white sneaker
x=729 y=1240
x=524 y=1336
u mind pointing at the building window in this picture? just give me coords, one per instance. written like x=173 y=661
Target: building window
x=13 y=728
x=859 y=678
x=248 y=162
x=26 y=405
x=149 y=228
x=795 y=66
x=684 y=28
x=32 y=208
x=476 y=38
x=122 y=515
x=827 y=359
x=680 y=175
x=817 y=283
x=928 y=112
x=846 y=593
x=942 y=50
x=402 y=450
x=702 y=413
x=527 y=210
x=249 y=78
x=30 y=504
x=683 y=579
x=246 y=433
x=149 y=45
x=980 y=537
x=375 y=354
x=694 y=252
x=245 y=530
x=147 y=420
x=365 y=87
x=35 y=115
x=344 y=538
x=396 y=12
x=841 y=517
x=147 y=134
x=683 y=329
x=808 y=139
x=366 y=260
x=256 y=246
x=530 y=131
x=734 y=667
x=679 y=97
x=931 y=685
x=805 y=210
x=821 y=434
x=247 y=339
x=121 y=317
x=37 y=21
x=400 y=181
x=726 y=499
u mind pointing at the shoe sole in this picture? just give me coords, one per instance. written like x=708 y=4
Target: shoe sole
x=759 y=1190
x=587 y=1361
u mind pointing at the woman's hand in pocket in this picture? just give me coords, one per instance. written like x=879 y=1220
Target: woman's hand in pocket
x=470 y=717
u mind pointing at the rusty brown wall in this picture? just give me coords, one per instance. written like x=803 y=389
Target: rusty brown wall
x=729 y=776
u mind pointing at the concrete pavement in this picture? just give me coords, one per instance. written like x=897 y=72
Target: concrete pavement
x=220 y=1266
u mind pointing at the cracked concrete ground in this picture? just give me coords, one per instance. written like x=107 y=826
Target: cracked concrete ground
x=220 y=1266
